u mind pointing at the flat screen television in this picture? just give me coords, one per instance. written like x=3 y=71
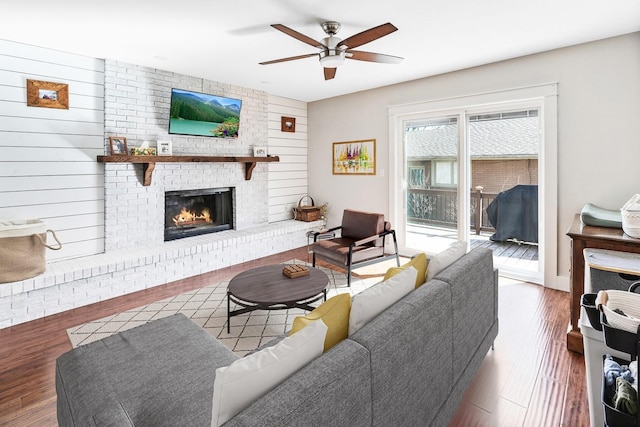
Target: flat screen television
x=199 y=114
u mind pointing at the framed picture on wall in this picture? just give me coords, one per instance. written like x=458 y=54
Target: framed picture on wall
x=287 y=124
x=354 y=157
x=165 y=148
x=47 y=94
x=118 y=145
x=259 y=151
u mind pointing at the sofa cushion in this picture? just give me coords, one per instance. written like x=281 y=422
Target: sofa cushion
x=332 y=390
x=411 y=363
x=372 y=301
x=473 y=284
x=158 y=374
x=112 y=416
x=236 y=386
x=419 y=262
x=445 y=258
x=334 y=313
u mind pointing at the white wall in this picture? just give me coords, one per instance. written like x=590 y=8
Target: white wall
x=48 y=170
x=48 y=166
x=287 y=178
x=598 y=127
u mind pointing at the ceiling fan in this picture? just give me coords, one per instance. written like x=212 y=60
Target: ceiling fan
x=333 y=50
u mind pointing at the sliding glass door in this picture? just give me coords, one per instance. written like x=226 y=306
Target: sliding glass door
x=472 y=174
x=484 y=127
x=432 y=181
x=503 y=159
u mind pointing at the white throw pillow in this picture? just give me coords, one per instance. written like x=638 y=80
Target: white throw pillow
x=372 y=301
x=238 y=385
x=445 y=258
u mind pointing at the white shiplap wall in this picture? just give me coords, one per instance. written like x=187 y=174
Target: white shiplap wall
x=48 y=167
x=287 y=178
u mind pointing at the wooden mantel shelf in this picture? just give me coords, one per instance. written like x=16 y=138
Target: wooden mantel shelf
x=149 y=162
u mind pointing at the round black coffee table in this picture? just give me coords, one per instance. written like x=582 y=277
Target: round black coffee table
x=266 y=288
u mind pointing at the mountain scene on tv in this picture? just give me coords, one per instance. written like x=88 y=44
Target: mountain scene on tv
x=204 y=115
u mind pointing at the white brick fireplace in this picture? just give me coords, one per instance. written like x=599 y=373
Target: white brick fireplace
x=136 y=257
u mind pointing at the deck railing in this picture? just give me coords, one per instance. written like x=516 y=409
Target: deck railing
x=440 y=208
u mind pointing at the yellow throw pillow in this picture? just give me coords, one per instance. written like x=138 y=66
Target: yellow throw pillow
x=419 y=262
x=334 y=313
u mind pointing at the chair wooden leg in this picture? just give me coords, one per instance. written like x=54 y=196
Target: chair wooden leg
x=313 y=262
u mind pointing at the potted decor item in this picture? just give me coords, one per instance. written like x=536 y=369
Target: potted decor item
x=143 y=150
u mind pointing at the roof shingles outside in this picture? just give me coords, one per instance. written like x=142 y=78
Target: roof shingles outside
x=491 y=139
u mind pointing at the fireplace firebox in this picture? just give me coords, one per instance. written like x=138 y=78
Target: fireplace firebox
x=194 y=212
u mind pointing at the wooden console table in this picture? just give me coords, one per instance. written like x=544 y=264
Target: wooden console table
x=584 y=236
x=149 y=162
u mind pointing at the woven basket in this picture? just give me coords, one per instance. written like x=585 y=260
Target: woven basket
x=306 y=213
x=22 y=249
x=628 y=302
x=630 y=213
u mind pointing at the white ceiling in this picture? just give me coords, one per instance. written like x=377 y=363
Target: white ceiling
x=224 y=41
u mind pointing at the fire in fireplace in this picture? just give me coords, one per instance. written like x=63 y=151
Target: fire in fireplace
x=194 y=212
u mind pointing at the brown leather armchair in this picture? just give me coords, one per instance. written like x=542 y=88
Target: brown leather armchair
x=361 y=242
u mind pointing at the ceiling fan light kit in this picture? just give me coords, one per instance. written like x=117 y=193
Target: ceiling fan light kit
x=331 y=58
x=334 y=50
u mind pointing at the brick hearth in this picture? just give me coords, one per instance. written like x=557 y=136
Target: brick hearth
x=77 y=282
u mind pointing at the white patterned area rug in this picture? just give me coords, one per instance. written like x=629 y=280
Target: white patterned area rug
x=207 y=307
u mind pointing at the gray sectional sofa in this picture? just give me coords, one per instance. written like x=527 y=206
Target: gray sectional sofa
x=408 y=366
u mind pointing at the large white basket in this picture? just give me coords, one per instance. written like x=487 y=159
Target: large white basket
x=628 y=302
x=630 y=213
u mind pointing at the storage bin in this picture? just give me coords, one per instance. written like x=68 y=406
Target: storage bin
x=601 y=280
x=618 y=339
x=612 y=416
x=627 y=302
x=588 y=301
x=607 y=269
x=22 y=249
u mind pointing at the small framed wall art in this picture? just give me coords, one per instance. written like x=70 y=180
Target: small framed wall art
x=165 y=148
x=118 y=145
x=354 y=157
x=47 y=94
x=288 y=124
x=259 y=151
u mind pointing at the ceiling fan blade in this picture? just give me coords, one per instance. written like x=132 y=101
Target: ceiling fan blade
x=329 y=73
x=299 y=36
x=291 y=58
x=368 y=35
x=372 y=57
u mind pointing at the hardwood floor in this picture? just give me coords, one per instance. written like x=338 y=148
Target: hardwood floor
x=530 y=379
